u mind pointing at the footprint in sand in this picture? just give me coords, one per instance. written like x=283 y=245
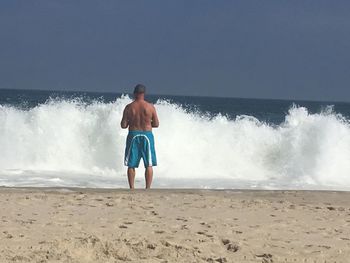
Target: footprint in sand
x=151 y=246
x=309 y=245
x=205 y=224
x=230 y=246
x=154 y=213
x=324 y=246
x=204 y=234
x=266 y=258
x=220 y=260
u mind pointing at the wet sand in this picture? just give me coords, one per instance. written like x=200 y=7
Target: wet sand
x=89 y=225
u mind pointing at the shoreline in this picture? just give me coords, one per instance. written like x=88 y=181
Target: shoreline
x=106 y=189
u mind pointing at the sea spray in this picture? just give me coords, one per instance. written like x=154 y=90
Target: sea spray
x=72 y=143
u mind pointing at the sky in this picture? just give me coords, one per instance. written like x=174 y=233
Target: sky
x=254 y=49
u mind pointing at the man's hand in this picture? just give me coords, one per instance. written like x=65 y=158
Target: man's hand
x=155 y=121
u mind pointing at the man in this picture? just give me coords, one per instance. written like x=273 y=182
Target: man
x=140 y=116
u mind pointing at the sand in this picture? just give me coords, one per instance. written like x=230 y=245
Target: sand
x=86 y=225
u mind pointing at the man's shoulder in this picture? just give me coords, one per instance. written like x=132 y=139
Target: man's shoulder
x=149 y=104
x=131 y=104
x=127 y=108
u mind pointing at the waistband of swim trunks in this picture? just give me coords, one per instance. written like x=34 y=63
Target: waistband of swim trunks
x=140 y=132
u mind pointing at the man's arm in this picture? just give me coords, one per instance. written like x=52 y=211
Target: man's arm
x=155 y=121
x=125 y=123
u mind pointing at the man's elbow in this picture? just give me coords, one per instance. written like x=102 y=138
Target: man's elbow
x=155 y=124
x=123 y=125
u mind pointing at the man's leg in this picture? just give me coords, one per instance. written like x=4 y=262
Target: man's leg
x=131 y=177
x=148 y=176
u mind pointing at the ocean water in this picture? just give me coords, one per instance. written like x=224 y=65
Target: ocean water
x=73 y=139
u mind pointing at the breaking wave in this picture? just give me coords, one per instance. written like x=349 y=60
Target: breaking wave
x=72 y=143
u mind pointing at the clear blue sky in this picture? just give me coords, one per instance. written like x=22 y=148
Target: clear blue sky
x=260 y=49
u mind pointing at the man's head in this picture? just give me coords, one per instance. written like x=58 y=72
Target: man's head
x=139 y=91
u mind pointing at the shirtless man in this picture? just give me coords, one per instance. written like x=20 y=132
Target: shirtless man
x=140 y=116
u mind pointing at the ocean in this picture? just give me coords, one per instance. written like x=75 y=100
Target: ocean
x=73 y=139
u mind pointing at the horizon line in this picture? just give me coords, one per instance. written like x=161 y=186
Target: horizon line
x=174 y=95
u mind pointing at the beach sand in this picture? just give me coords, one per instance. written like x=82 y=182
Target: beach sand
x=89 y=225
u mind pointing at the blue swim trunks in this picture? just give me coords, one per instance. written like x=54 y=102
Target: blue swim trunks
x=140 y=144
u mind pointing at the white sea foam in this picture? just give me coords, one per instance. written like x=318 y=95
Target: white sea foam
x=69 y=143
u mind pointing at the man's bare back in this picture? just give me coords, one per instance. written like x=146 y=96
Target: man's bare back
x=140 y=115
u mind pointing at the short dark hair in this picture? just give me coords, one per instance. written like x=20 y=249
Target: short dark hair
x=139 y=88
